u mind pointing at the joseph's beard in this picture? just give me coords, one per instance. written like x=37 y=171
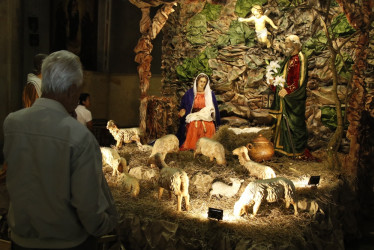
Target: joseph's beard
x=288 y=51
x=291 y=51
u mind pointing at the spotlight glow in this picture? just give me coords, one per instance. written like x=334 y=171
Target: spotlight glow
x=301 y=182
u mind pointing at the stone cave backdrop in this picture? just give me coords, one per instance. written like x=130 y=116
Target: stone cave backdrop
x=205 y=37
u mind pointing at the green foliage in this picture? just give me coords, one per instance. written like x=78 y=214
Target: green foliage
x=344 y=71
x=193 y=66
x=243 y=7
x=329 y=118
x=334 y=3
x=315 y=44
x=340 y=26
x=211 y=11
x=284 y=3
x=223 y=40
x=197 y=26
x=211 y=52
x=196 y=29
x=238 y=33
x=287 y=3
x=318 y=43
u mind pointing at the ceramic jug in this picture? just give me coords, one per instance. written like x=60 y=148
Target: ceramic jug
x=261 y=149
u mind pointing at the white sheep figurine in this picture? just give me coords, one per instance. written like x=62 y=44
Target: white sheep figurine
x=124 y=135
x=212 y=149
x=111 y=157
x=164 y=145
x=174 y=180
x=220 y=188
x=269 y=190
x=130 y=183
x=254 y=168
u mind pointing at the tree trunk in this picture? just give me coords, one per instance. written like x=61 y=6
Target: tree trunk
x=356 y=105
x=149 y=30
x=359 y=15
x=336 y=139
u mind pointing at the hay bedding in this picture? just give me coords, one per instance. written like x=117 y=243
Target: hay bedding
x=273 y=220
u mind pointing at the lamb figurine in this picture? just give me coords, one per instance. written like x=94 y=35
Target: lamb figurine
x=164 y=145
x=111 y=157
x=270 y=190
x=130 y=183
x=174 y=180
x=211 y=149
x=124 y=135
x=220 y=188
x=254 y=168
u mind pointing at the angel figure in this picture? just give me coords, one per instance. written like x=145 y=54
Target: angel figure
x=260 y=21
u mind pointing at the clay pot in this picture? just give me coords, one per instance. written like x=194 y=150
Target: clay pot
x=261 y=149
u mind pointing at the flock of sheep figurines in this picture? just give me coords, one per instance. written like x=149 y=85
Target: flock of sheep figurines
x=268 y=187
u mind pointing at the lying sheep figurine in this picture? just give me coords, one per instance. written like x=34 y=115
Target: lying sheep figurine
x=270 y=190
x=124 y=135
x=163 y=146
x=211 y=149
x=220 y=188
x=174 y=180
x=111 y=157
x=255 y=169
x=130 y=183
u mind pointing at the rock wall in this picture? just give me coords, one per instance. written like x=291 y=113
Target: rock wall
x=206 y=36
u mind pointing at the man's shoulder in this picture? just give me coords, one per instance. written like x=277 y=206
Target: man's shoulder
x=62 y=125
x=16 y=115
x=78 y=132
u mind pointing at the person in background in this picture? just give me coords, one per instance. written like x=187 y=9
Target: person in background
x=32 y=89
x=83 y=114
x=59 y=197
x=198 y=112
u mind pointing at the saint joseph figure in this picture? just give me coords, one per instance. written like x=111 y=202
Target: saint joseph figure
x=290 y=133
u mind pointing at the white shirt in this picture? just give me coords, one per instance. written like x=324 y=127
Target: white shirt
x=83 y=114
x=58 y=193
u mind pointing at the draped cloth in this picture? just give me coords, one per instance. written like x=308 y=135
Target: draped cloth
x=290 y=133
x=205 y=114
x=192 y=101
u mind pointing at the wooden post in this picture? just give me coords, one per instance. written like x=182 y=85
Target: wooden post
x=149 y=30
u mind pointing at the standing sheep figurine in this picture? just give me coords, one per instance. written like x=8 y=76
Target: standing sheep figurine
x=270 y=190
x=220 y=188
x=255 y=169
x=212 y=149
x=174 y=180
x=124 y=135
x=163 y=146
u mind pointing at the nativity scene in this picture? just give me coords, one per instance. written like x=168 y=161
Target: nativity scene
x=265 y=116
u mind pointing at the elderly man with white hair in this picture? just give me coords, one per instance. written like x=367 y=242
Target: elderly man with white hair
x=290 y=133
x=59 y=198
